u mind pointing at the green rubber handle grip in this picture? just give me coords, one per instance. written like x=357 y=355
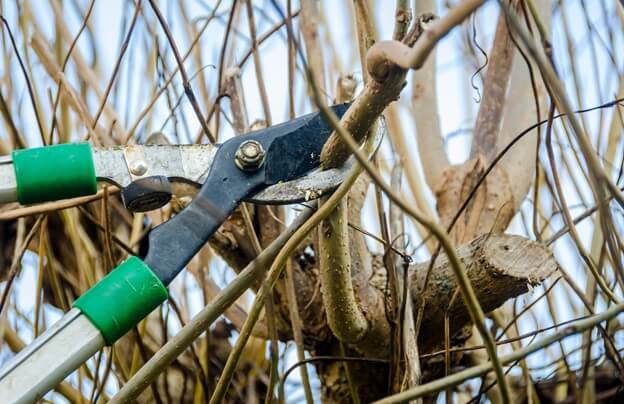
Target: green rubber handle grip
x=121 y=299
x=54 y=172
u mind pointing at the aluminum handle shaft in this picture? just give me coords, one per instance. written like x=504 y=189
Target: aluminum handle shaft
x=49 y=359
x=8 y=186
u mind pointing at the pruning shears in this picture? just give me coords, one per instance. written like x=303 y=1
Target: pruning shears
x=276 y=165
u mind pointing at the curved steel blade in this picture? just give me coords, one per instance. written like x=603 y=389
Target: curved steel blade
x=312 y=186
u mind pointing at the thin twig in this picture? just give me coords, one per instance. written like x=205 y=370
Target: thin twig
x=476 y=371
x=27 y=79
x=185 y=81
x=54 y=206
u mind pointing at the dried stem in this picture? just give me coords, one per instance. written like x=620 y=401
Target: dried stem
x=459 y=377
x=185 y=80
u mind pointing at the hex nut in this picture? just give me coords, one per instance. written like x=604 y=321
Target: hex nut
x=250 y=155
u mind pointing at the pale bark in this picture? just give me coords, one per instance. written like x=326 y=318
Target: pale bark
x=487 y=127
x=489 y=210
x=431 y=149
x=520 y=113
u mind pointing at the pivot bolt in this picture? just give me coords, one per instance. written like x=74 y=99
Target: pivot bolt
x=138 y=167
x=249 y=156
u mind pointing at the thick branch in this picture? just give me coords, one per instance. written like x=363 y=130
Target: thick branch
x=343 y=313
x=362 y=115
x=425 y=107
x=499 y=267
x=344 y=316
x=520 y=113
x=489 y=209
x=468 y=294
x=496 y=81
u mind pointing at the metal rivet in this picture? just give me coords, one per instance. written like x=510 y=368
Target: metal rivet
x=249 y=156
x=138 y=167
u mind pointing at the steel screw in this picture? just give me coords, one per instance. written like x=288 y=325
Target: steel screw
x=249 y=156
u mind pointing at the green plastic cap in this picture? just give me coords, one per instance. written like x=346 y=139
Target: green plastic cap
x=122 y=299
x=54 y=172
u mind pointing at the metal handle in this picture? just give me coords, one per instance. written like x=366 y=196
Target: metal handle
x=8 y=185
x=49 y=359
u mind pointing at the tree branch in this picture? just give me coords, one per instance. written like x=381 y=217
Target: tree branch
x=499 y=267
x=397 y=53
x=489 y=119
x=425 y=106
x=402 y=19
x=468 y=294
x=343 y=312
x=344 y=316
x=520 y=113
x=386 y=63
